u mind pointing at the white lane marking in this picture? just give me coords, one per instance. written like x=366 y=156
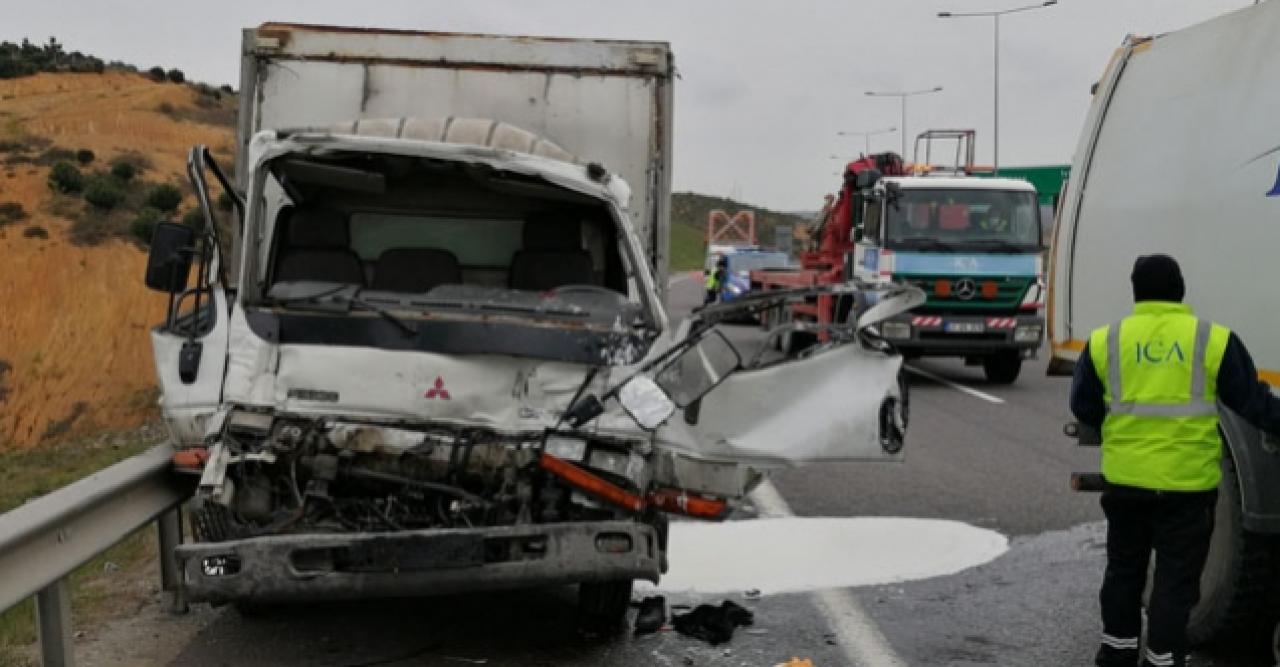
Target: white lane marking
x=955 y=385
x=860 y=640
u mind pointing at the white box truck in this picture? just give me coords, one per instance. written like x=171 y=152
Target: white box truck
x=1179 y=155
x=430 y=351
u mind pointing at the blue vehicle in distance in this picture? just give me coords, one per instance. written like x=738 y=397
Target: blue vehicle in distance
x=741 y=262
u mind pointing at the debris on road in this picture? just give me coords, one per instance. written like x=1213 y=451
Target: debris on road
x=714 y=625
x=752 y=594
x=651 y=616
x=796 y=662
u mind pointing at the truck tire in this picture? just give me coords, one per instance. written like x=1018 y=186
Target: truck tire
x=1002 y=368
x=1237 y=586
x=602 y=605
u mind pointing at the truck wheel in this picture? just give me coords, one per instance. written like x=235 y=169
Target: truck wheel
x=1239 y=577
x=602 y=605
x=1002 y=368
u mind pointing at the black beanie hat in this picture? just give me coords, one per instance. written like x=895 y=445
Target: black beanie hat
x=1157 y=278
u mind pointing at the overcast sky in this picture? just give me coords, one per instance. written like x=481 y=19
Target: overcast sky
x=765 y=85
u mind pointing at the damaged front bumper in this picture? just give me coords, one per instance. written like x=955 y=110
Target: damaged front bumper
x=364 y=565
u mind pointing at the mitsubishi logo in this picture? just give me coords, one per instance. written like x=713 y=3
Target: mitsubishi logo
x=965 y=289
x=438 y=391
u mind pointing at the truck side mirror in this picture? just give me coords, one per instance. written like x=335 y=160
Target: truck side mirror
x=169 y=261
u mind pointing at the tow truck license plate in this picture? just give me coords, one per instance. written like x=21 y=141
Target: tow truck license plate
x=964 y=327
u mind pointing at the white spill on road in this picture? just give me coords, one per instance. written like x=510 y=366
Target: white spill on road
x=786 y=555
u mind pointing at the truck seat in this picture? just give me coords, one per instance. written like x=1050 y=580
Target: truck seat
x=317 y=247
x=552 y=255
x=415 y=269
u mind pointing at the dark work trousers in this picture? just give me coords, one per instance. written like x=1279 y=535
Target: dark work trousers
x=1177 y=527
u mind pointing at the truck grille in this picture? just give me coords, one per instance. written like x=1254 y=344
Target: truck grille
x=1008 y=296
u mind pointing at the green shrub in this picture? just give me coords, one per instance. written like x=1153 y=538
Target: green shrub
x=11 y=211
x=123 y=169
x=103 y=192
x=84 y=156
x=166 y=108
x=144 y=225
x=157 y=74
x=65 y=178
x=194 y=218
x=205 y=90
x=176 y=76
x=164 y=197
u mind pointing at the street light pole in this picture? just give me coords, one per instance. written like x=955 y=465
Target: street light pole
x=995 y=16
x=995 y=103
x=866 y=137
x=903 y=95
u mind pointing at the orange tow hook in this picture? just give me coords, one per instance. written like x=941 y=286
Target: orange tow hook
x=191 y=459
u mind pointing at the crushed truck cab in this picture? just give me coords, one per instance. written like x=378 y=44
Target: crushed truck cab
x=442 y=362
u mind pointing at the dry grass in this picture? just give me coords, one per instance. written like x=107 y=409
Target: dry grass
x=76 y=319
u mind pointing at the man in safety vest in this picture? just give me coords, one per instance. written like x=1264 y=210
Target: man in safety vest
x=716 y=278
x=1151 y=383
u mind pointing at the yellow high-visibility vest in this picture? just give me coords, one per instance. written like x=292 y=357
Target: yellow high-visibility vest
x=1159 y=371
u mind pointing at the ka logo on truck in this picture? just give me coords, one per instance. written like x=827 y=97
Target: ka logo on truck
x=438 y=391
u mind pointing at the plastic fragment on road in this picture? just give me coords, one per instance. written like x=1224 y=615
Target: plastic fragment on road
x=796 y=662
x=714 y=625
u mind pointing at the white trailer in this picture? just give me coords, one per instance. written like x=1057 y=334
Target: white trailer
x=1179 y=155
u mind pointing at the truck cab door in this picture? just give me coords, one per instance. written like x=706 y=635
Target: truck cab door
x=842 y=401
x=190 y=346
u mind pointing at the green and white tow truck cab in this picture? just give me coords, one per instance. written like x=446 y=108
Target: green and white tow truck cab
x=974 y=246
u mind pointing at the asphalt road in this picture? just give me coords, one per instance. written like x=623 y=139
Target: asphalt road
x=990 y=456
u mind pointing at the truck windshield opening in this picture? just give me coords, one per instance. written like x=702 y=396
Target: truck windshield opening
x=948 y=219
x=404 y=252
x=414 y=226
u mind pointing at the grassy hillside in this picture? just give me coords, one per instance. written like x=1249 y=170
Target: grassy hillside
x=75 y=357
x=689 y=212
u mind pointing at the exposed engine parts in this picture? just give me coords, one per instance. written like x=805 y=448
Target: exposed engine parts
x=273 y=476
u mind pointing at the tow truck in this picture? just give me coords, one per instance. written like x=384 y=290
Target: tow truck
x=972 y=244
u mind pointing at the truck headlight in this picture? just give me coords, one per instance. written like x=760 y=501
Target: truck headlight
x=568 y=449
x=622 y=464
x=895 y=330
x=1027 y=333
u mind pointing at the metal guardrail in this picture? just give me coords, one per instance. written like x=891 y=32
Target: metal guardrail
x=46 y=539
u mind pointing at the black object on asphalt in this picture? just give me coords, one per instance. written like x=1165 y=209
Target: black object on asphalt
x=652 y=615
x=714 y=625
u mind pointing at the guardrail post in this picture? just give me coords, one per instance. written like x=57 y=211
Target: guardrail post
x=170 y=528
x=53 y=625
